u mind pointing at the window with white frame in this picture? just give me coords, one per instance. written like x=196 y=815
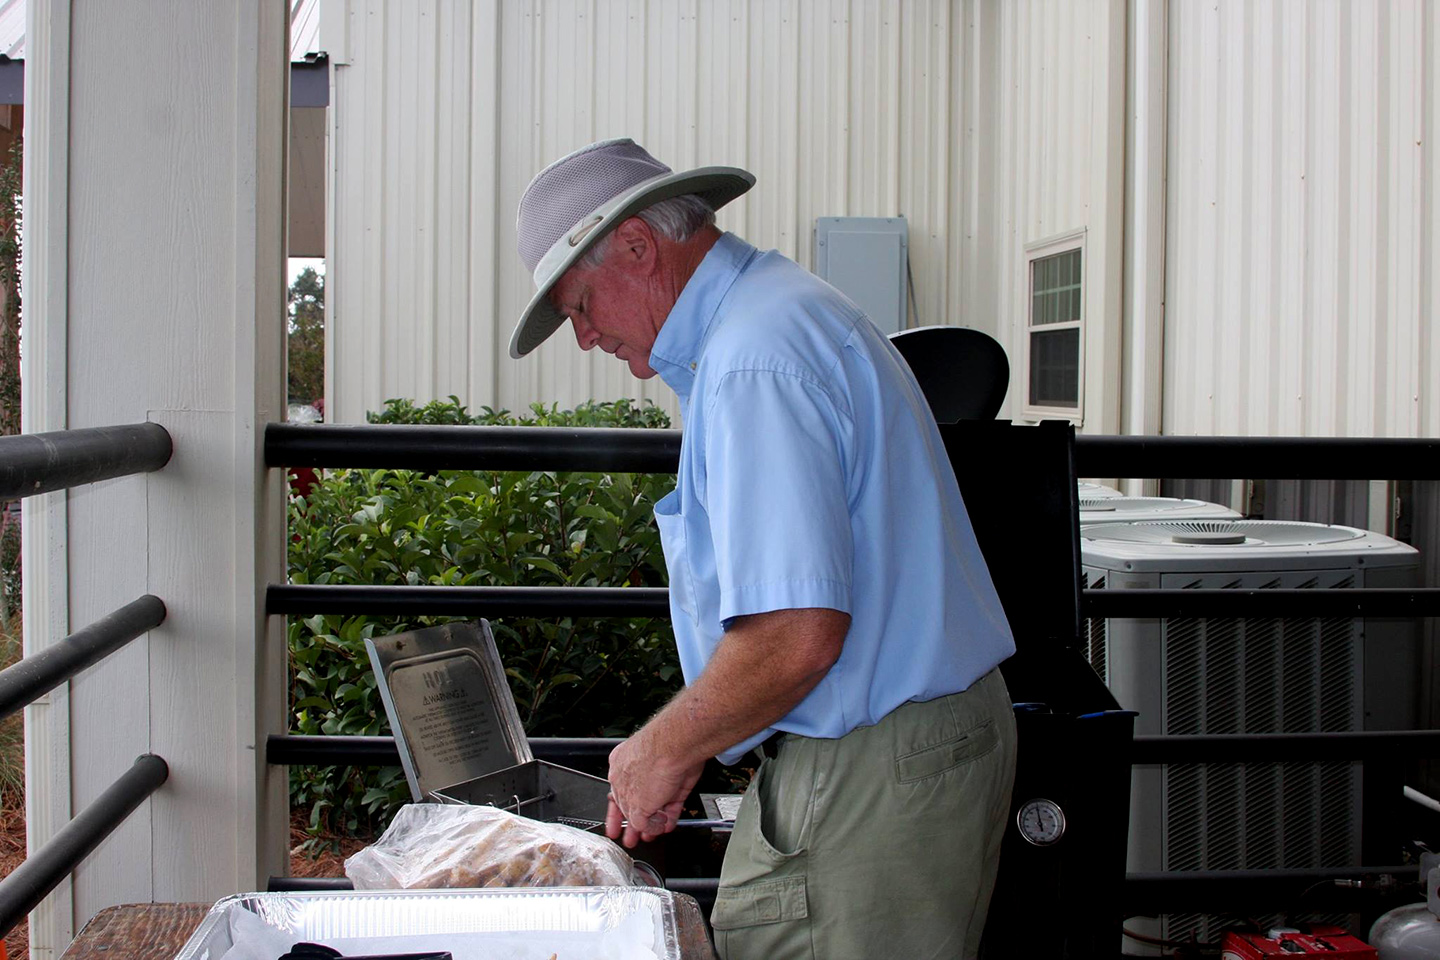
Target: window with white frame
x=1053 y=335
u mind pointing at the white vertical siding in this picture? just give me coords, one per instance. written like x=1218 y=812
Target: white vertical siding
x=1302 y=227
x=840 y=107
x=1060 y=168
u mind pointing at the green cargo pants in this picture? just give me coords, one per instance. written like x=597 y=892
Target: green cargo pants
x=883 y=843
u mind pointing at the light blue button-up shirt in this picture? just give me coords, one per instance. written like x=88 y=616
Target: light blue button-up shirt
x=812 y=475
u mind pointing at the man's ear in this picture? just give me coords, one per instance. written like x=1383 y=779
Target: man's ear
x=633 y=245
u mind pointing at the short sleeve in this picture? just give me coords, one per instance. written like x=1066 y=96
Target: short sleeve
x=776 y=495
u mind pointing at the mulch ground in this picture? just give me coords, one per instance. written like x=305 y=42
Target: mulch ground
x=326 y=859
x=12 y=854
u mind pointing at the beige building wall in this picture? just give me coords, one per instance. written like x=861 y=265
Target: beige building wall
x=1302 y=219
x=984 y=124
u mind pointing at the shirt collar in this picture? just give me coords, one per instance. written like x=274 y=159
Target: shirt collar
x=677 y=348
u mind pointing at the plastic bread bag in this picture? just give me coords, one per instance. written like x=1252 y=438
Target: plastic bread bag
x=431 y=845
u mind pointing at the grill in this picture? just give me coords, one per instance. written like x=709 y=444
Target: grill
x=458 y=730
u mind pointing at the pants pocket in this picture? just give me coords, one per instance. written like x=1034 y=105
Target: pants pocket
x=931 y=761
x=766 y=918
x=762 y=909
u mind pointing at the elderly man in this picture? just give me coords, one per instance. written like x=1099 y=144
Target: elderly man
x=830 y=603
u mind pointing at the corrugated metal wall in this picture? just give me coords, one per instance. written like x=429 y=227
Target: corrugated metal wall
x=986 y=125
x=1302 y=222
x=1059 y=128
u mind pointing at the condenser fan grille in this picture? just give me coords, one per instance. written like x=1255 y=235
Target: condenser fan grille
x=1228 y=533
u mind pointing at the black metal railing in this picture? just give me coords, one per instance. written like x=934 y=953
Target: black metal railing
x=308 y=600
x=36 y=675
x=657 y=451
x=296 y=750
x=32 y=881
x=36 y=463
x=417 y=447
x=584 y=449
x=33 y=464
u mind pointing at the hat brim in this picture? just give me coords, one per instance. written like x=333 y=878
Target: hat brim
x=716 y=185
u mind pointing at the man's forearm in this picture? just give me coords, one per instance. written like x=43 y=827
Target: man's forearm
x=763 y=668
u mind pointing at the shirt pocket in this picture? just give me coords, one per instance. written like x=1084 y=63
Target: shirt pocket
x=677 y=561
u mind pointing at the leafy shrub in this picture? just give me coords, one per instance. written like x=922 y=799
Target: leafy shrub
x=570 y=676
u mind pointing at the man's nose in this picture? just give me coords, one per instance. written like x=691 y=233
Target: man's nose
x=585 y=335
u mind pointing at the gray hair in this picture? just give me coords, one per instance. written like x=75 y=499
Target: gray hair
x=675 y=219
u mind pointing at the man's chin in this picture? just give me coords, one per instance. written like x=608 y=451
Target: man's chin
x=639 y=369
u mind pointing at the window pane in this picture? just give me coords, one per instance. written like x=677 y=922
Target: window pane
x=1055 y=289
x=1055 y=368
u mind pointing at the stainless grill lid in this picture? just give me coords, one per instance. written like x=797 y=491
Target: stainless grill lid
x=451 y=711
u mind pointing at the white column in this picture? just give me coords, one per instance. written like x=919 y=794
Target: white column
x=42 y=409
x=171 y=292
x=1144 y=324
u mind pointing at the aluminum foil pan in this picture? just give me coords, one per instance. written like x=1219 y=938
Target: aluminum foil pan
x=613 y=922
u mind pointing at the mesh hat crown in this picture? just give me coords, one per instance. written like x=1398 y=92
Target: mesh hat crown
x=576 y=201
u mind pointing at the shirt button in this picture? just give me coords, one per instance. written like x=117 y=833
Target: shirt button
x=692 y=366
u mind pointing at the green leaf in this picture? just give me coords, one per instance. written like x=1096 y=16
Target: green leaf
x=543 y=564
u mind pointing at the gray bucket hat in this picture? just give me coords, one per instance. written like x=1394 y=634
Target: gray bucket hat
x=579 y=199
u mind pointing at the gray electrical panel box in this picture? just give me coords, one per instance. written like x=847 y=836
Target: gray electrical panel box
x=865 y=258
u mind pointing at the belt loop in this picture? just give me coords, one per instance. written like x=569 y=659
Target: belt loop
x=770 y=747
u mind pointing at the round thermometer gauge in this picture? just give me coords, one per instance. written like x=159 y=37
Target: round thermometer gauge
x=1042 y=822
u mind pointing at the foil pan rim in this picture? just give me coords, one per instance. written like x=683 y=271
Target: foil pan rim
x=215 y=926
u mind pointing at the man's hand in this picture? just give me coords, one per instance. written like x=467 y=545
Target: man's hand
x=764 y=666
x=646 y=790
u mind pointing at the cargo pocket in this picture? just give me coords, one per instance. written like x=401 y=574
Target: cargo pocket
x=677 y=562
x=767 y=918
x=942 y=757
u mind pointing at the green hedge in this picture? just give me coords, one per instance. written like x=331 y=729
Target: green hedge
x=570 y=677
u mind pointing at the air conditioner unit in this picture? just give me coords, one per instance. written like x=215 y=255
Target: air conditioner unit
x=1094 y=490
x=1131 y=509
x=1226 y=675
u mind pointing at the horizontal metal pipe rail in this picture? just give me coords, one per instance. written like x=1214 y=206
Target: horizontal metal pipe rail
x=42 y=872
x=36 y=675
x=381 y=751
x=421 y=447
x=1375 y=745
x=1260 y=891
x=35 y=463
x=583 y=449
x=1272 y=458
x=1145 y=894
x=309 y=599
